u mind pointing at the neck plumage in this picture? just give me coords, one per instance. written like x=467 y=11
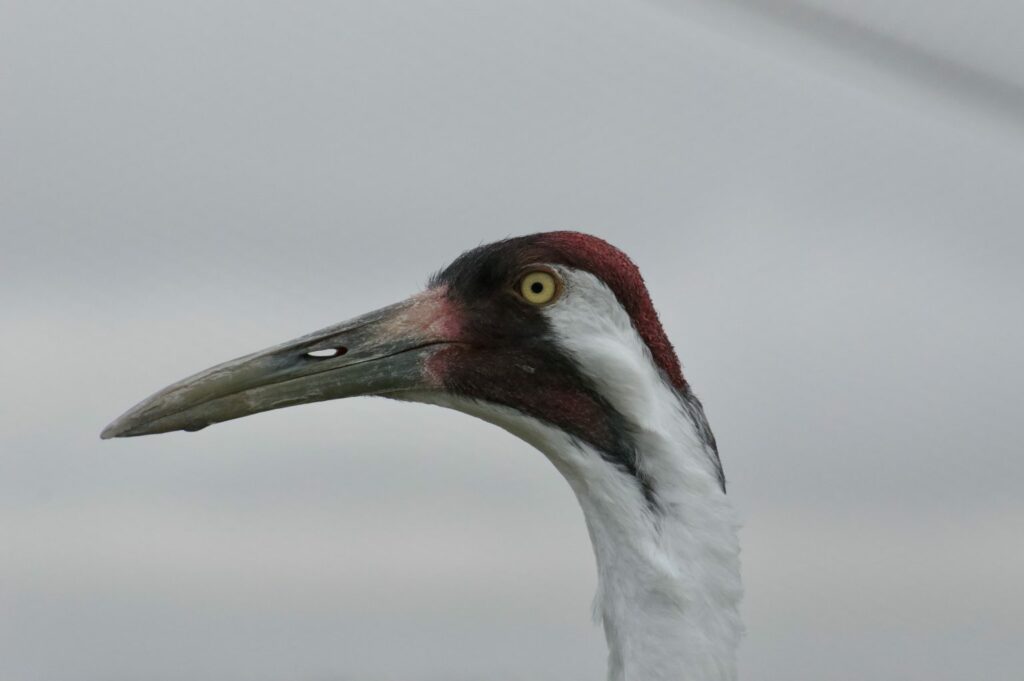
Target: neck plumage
x=668 y=573
x=669 y=578
x=669 y=584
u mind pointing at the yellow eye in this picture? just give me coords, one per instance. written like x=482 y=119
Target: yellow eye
x=538 y=287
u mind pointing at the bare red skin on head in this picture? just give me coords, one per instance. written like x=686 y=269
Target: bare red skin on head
x=432 y=315
x=617 y=271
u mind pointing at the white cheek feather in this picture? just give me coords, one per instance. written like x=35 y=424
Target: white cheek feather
x=668 y=576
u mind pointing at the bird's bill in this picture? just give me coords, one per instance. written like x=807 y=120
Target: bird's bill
x=380 y=353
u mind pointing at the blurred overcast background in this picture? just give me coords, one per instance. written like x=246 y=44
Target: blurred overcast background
x=826 y=201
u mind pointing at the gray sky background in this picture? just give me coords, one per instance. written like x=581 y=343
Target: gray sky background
x=835 y=247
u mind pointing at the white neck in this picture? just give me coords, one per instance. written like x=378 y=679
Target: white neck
x=668 y=577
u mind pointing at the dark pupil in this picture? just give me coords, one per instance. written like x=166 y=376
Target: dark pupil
x=536 y=287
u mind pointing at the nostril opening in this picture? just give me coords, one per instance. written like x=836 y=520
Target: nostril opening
x=328 y=352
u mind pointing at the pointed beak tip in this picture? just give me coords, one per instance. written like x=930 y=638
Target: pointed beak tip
x=125 y=425
x=112 y=431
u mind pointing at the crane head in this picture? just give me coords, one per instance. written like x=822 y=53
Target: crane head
x=549 y=326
